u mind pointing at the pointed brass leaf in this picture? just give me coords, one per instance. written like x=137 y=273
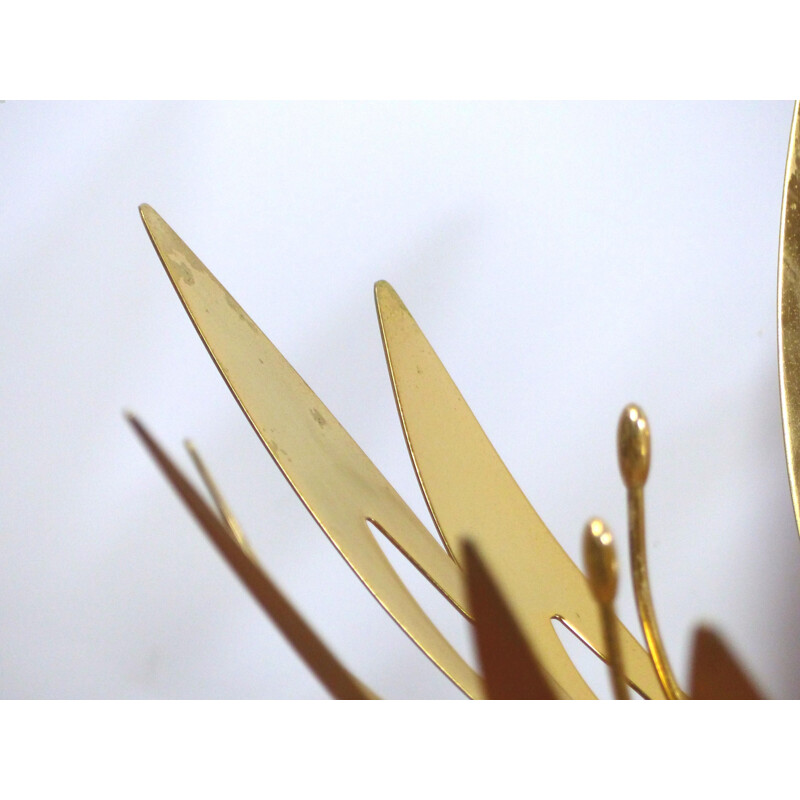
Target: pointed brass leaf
x=332 y=476
x=471 y=493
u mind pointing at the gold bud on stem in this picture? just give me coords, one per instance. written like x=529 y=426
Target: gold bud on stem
x=633 y=447
x=601 y=567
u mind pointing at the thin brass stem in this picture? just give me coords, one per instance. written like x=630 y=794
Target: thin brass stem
x=222 y=506
x=633 y=447
x=614 y=653
x=601 y=567
x=339 y=681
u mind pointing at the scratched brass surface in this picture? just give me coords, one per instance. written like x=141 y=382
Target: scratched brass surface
x=332 y=476
x=233 y=547
x=472 y=495
x=789 y=312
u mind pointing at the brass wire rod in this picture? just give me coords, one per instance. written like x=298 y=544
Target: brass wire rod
x=633 y=450
x=601 y=568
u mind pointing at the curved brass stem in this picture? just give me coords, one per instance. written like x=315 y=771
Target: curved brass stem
x=633 y=448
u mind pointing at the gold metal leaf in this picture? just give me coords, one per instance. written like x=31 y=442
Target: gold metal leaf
x=332 y=476
x=471 y=494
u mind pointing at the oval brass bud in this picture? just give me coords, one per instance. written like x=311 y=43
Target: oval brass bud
x=633 y=446
x=601 y=560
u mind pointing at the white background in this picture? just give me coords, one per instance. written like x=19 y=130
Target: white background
x=563 y=259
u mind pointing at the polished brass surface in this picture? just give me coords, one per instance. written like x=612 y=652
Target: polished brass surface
x=633 y=449
x=510 y=670
x=601 y=569
x=331 y=475
x=338 y=680
x=789 y=312
x=471 y=495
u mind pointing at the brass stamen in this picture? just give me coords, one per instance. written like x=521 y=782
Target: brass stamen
x=633 y=449
x=601 y=567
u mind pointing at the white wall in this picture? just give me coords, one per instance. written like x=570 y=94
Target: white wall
x=563 y=259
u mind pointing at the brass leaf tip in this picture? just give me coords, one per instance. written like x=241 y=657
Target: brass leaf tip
x=385 y=293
